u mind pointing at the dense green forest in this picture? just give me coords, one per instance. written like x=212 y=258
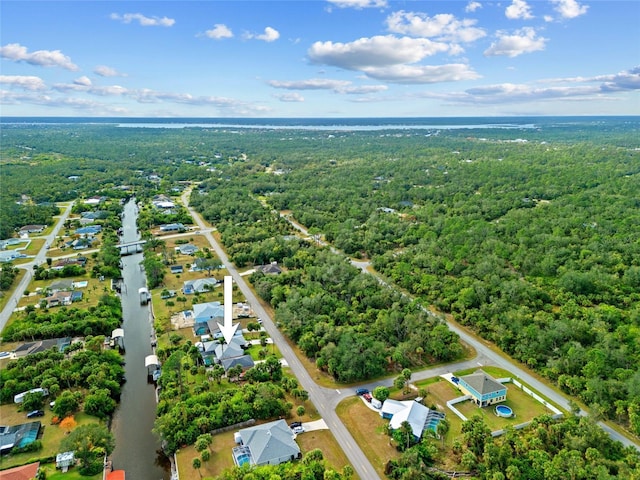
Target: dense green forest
x=529 y=236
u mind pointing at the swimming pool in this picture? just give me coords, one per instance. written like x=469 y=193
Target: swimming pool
x=504 y=411
x=241 y=455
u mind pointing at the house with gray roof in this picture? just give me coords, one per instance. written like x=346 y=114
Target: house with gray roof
x=267 y=444
x=484 y=389
x=187 y=249
x=61 y=285
x=245 y=361
x=214 y=352
x=270 y=269
x=200 y=285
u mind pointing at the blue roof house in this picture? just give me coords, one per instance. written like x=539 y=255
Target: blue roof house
x=203 y=313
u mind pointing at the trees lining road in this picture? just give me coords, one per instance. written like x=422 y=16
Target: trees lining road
x=326 y=400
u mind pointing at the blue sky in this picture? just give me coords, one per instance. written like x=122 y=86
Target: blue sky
x=323 y=58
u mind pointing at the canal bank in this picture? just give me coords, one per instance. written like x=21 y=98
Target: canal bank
x=138 y=450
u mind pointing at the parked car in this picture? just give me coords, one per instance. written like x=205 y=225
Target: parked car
x=35 y=413
x=298 y=430
x=293 y=425
x=361 y=391
x=367 y=397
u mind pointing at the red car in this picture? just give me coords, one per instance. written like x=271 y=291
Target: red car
x=367 y=397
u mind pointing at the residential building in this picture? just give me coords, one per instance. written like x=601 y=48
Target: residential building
x=18 y=436
x=267 y=444
x=24 y=472
x=27 y=229
x=172 y=227
x=59 y=298
x=271 y=269
x=417 y=415
x=187 y=249
x=484 y=389
x=200 y=285
x=203 y=313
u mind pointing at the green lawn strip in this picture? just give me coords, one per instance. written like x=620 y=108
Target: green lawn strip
x=71 y=474
x=51 y=435
x=368 y=429
x=222 y=459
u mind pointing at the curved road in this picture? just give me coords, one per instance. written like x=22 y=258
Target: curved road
x=326 y=399
x=28 y=267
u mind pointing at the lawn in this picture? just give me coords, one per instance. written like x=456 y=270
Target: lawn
x=50 y=435
x=222 y=459
x=72 y=474
x=368 y=429
x=524 y=407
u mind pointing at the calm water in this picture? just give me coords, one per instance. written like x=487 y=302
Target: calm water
x=137 y=448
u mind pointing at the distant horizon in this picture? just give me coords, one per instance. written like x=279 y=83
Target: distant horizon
x=311 y=117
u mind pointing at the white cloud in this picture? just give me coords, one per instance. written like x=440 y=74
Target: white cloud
x=143 y=20
x=337 y=86
x=310 y=84
x=422 y=74
x=85 y=105
x=42 y=58
x=358 y=4
x=27 y=82
x=290 y=97
x=269 y=35
x=219 y=31
x=616 y=82
x=522 y=41
x=472 y=7
x=444 y=26
x=83 y=80
x=519 y=9
x=105 y=71
x=81 y=85
x=378 y=51
x=569 y=8
x=599 y=87
x=508 y=92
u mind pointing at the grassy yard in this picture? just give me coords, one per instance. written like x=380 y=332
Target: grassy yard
x=368 y=429
x=72 y=474
x=50 y=435
x=221 y=458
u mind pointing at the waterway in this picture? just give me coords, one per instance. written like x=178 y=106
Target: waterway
x=137 y=449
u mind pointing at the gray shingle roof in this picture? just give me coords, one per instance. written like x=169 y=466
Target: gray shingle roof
x=482 y=383
x=269 y=442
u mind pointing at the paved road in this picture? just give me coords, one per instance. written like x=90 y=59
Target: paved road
x=28 y=267
x=324 y=399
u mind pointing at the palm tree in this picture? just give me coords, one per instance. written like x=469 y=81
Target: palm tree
x=442 y=429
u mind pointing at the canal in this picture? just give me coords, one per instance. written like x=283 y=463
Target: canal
x=137 y=449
